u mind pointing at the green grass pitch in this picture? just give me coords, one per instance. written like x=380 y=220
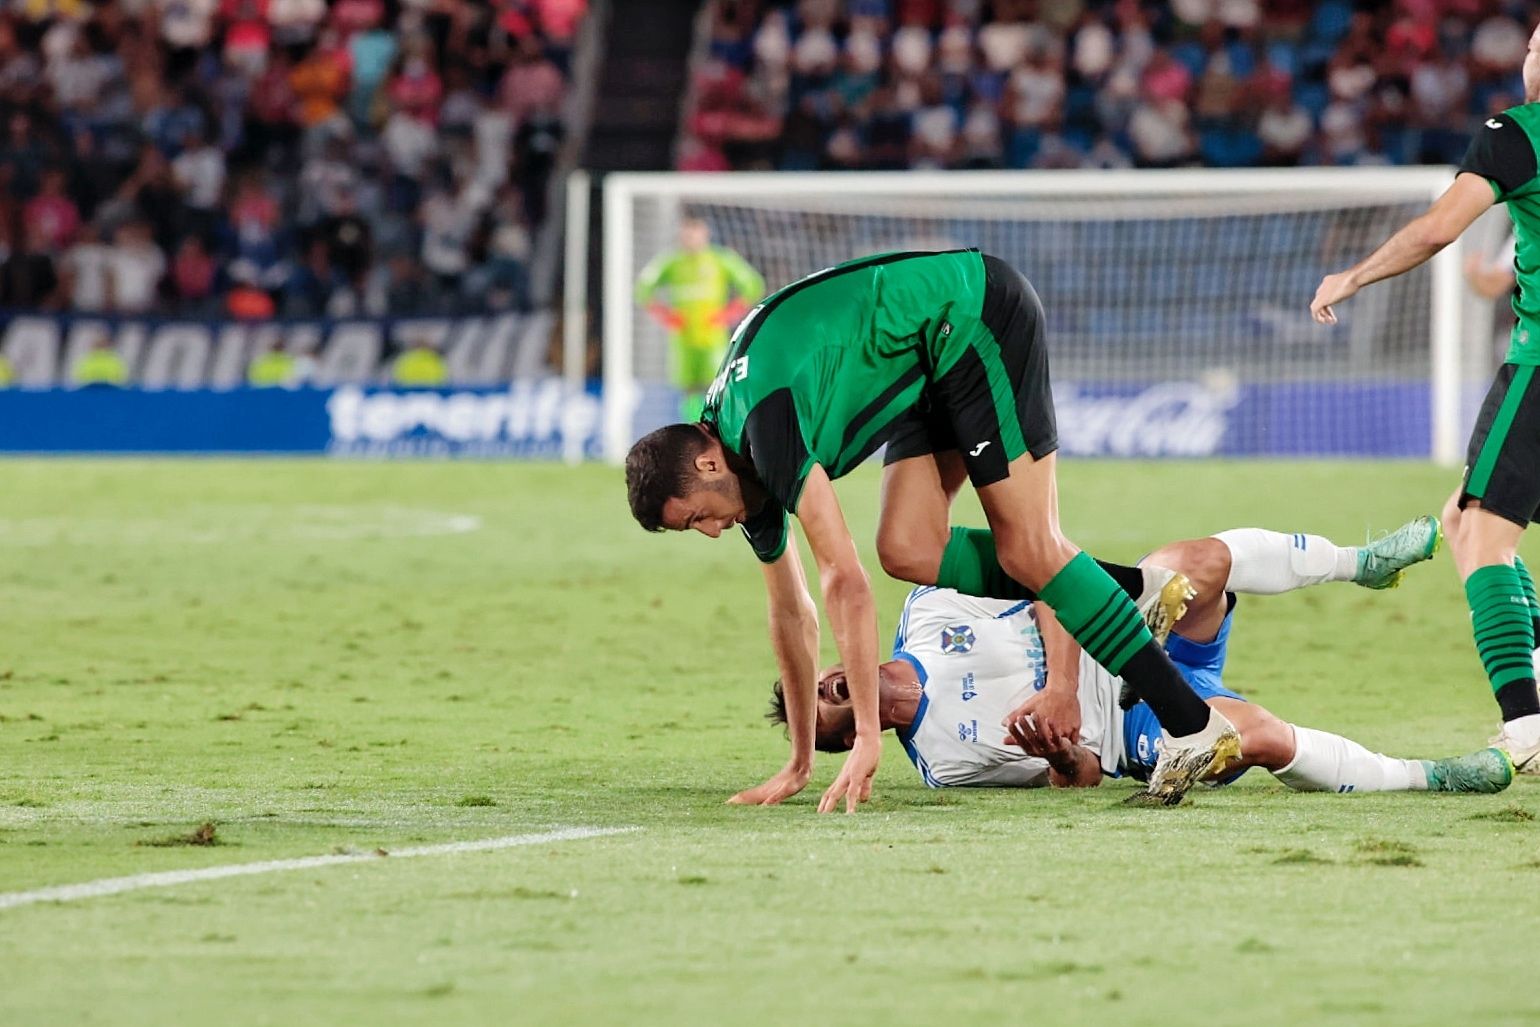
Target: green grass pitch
x=321 y=657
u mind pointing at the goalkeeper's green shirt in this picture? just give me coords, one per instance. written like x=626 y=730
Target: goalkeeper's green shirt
x=1503 y=153
x=700 y=285
x=819 y=370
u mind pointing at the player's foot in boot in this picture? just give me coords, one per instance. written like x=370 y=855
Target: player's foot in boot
x=1184 y=761
x=1162 y=603
x=1383 y=562
x=1487 y=771
x=1525 y=753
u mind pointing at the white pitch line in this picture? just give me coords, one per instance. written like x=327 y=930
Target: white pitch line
x=167 y=878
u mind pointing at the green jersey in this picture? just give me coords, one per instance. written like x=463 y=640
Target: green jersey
x=817 y=372
x=1503 y=153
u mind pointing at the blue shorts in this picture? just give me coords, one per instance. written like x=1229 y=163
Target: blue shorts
x=1202 y=664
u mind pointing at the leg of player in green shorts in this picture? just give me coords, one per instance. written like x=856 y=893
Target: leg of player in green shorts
x=1484 y=521
x=996 y=395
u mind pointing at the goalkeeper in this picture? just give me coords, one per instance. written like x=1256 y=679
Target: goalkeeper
x=707 y=289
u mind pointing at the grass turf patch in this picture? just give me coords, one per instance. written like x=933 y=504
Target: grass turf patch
x=186 y=648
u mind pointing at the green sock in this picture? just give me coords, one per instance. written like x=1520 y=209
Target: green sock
x=1096 y=612
x=969 y=565
x=1505 y=632
x=1528 y=585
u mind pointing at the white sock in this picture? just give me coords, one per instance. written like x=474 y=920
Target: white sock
x=1523 y=732
x=1266 y=562
x=1324 y=762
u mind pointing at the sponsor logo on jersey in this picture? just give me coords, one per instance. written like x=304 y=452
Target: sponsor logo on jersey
x=1494 y=123
x=956 y=639
x=968 y=691
x=968 y=731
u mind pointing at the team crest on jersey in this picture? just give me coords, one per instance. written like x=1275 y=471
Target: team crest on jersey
x=956 y=639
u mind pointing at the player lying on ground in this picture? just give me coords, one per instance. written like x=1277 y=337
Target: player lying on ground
x=943 y=357
x=1500 y=495
x=977 y=702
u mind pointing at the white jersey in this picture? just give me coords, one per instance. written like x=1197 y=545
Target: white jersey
x=979 y=659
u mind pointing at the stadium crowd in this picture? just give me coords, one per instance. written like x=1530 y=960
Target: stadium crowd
x=883 y=84
x=257 y=158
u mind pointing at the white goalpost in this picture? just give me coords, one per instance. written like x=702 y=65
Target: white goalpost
x=1177 y=301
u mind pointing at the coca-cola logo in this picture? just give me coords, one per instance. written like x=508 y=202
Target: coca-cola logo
x=1168 y=419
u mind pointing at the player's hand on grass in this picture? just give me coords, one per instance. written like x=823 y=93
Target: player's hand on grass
x=1333 y=289
x=1047 y=717
x=791 y=779
x=854 y=783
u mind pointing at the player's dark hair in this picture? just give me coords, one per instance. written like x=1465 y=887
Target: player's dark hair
x=776 y=714
x=660 y=467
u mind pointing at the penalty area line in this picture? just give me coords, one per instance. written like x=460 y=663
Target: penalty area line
x=168 y=878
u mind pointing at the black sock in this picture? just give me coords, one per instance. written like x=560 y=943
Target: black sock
x=1157 y=681
x=1517 y=699
x=1129 y=579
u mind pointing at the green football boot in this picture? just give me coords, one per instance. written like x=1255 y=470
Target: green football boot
x=1382 y=563
x=1487 y=771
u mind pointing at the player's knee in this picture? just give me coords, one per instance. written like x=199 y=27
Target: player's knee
x=908 y=556
x=1266 y=741
x=1205 y=562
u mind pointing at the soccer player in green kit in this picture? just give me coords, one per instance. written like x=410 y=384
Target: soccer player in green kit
x=942 y=356
x=1500 y=494
x=707 y=288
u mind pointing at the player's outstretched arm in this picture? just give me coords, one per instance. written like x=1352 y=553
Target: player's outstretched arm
x=794 y=637
x=1452 y=213
x=847 y=597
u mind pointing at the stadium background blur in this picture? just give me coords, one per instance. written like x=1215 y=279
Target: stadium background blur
x=220 y=664
x=251 y=159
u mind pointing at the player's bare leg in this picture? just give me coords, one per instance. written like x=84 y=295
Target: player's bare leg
x=1023 y=514
x=914 y=524
x=1485 y=549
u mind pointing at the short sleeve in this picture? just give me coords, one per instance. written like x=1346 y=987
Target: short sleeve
x=1502 y=153
x=767 y=531
x=773 y=443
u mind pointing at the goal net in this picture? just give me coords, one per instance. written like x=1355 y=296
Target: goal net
x=1177 y=302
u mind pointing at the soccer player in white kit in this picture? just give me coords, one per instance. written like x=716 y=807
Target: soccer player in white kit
x=968 y=690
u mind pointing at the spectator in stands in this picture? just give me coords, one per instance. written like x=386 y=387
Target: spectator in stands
x=1103 y=84
x=193 y=277
x=199 y=174
x=135 y=266
x=420 y=366
x=85 y=271
x=51 y=215
x=100 y=366
x=28 y=278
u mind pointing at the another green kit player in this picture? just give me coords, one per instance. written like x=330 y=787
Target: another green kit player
x=942 y=356
x=1500 y=494
x=697 y=292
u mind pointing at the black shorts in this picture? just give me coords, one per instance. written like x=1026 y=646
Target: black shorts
x=989 y=421
x=1502 y=465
